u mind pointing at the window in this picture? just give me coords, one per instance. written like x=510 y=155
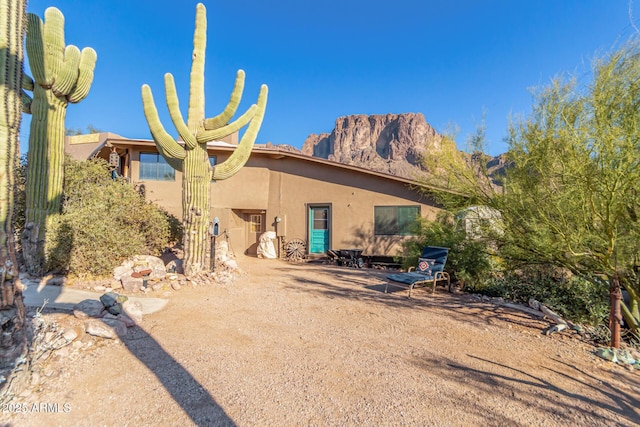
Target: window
x=154 y=167
x=320 y=218
x=255 y=223
x=395 y=220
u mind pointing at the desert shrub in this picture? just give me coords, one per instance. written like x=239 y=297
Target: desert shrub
x=469 y=260
x=574 y=298
x=103 y=222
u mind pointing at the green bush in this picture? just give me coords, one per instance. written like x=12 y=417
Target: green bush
x=103 y=222
x=574 y=298
x=469 y=261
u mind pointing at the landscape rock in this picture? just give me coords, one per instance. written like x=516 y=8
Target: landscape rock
x=70 y=334
x=231 y=264
x=121 y=271
x=133 y=309
x=88 y=308
x=106 y=328
x=131 y=284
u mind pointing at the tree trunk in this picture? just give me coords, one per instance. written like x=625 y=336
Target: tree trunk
x=196 y=182
x=12 y=313
x=45 y=173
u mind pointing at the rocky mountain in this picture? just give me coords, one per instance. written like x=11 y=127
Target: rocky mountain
x=390 y=143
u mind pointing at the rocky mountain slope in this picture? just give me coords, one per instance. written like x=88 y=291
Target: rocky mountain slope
x=390 y=143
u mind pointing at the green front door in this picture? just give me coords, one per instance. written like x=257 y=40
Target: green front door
x=318 y=229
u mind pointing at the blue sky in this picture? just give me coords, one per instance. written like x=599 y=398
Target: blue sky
x=450 y=60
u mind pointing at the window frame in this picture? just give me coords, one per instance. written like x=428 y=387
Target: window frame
x=398 y=224
x=144 y=172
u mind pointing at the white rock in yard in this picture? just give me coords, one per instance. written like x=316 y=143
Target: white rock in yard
x=121 y=271
x=106 y=328
x=231 y=264
x=133 y=309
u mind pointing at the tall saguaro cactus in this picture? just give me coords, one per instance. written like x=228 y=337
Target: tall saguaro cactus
x=62 y=75
x=191 y=158
x=12 y=14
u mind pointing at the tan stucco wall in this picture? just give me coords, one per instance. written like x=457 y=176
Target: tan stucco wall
x=285 y=186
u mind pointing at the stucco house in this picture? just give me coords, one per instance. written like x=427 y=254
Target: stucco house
x=327 y=204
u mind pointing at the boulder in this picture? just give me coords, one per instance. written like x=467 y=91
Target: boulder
x=133 y=309
x=131 y=284
x=121 y=271
x=88 y=308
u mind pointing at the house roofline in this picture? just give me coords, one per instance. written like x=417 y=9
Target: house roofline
x=272 y=152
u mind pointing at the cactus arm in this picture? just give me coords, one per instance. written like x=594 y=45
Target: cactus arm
x=88 y=58
x=241 y=154
x=54 y=43
x=217 y=134
x=68 y=75
x=35 y=48
x=195 y=116
x=27 y=82
x=25 y=100
x=167 y=146
x=174 y=111
x=230 y=110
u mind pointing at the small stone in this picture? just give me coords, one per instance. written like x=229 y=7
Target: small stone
x=109 y=299
x=99 y=288
x=176 y=286
x=157 y=286
x=35 y=378
x=115 y=285
x=115 y=309
x=70 y=334
x=106 y=328
x=88 y=308
x=231 y=264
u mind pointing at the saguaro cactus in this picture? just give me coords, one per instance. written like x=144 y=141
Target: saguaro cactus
x=191 y=158
x=62 y=75
x=12 y=14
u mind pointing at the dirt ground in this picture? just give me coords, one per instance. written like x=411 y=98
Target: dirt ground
x=320 y=345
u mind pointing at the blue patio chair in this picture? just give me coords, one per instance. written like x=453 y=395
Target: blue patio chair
x=430 y=270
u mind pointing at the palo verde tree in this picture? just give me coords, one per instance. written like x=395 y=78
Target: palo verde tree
x=191 y=157
x=62 y=75
x=12 y=314
x=570 y=193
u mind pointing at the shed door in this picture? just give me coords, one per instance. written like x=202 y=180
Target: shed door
x=318 y=229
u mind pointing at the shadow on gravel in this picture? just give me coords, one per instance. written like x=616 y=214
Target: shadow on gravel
x=368 y=285
x=185 y=390
x=539 y=395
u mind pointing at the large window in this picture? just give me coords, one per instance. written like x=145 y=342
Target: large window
x=154 y=167
x=395 y=220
